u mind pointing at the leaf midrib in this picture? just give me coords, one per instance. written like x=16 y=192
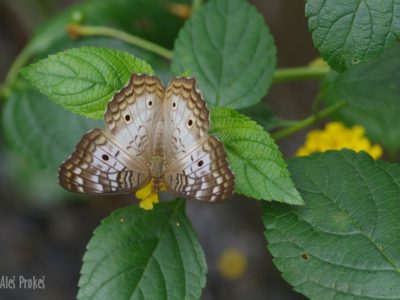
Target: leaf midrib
x=179 y=203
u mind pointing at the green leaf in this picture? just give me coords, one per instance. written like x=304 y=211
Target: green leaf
x=373 y=85
x=160 y=66
x=260 y=171
x=40 y=131
x=137 y=254
x=345 y=243
x=349 y=32
x=83 y=80
x=230 y=51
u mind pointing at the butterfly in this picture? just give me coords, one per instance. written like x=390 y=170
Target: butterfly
x=153 y=134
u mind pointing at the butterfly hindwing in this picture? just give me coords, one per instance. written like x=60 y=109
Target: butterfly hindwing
x=99 y=165
x=203 y=174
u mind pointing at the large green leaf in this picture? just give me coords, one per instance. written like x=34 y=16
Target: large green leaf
x=348 y=32
x=260 y=171
x=345 y=243
x=160 y=66
x=230 y=51
x=137 y=254
x=83 y=80
x=372 y=85
x=39 y=130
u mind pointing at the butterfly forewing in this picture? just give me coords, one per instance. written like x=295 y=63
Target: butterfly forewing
x=100 y=165
x=196 y=162
x=133 y=114
x=186 y=118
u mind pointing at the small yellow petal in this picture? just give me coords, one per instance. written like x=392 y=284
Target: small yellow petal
x=147 y=203
x=147 y=196
x=153 y=197
x=334 y=127
x=312 y=135
x=376 y=151
x=144 y=191
x=358 y=130
x=302 y=152
x=361 y=144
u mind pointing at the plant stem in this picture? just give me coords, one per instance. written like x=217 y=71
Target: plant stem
x=196 y=4
x=308 y=121
x=12 y=74
x=300 y=73
x=22 y=58
x=76 y=30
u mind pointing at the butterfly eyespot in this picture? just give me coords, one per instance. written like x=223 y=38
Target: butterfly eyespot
x=150 y=103
x=105 y=157
x=190 y=123
x=200 y=163
x=127 y=117
x=173 y=104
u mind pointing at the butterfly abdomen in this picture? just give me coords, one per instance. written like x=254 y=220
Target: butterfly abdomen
x=157 y=166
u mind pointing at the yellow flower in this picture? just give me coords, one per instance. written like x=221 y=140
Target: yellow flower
x=148 y=196
x=232 y=263
x=336 y=136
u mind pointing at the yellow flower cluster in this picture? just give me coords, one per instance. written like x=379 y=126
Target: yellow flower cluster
x=336 y=136
x=148 y=196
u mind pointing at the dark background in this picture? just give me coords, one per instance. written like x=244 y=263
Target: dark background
x=43 y=231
